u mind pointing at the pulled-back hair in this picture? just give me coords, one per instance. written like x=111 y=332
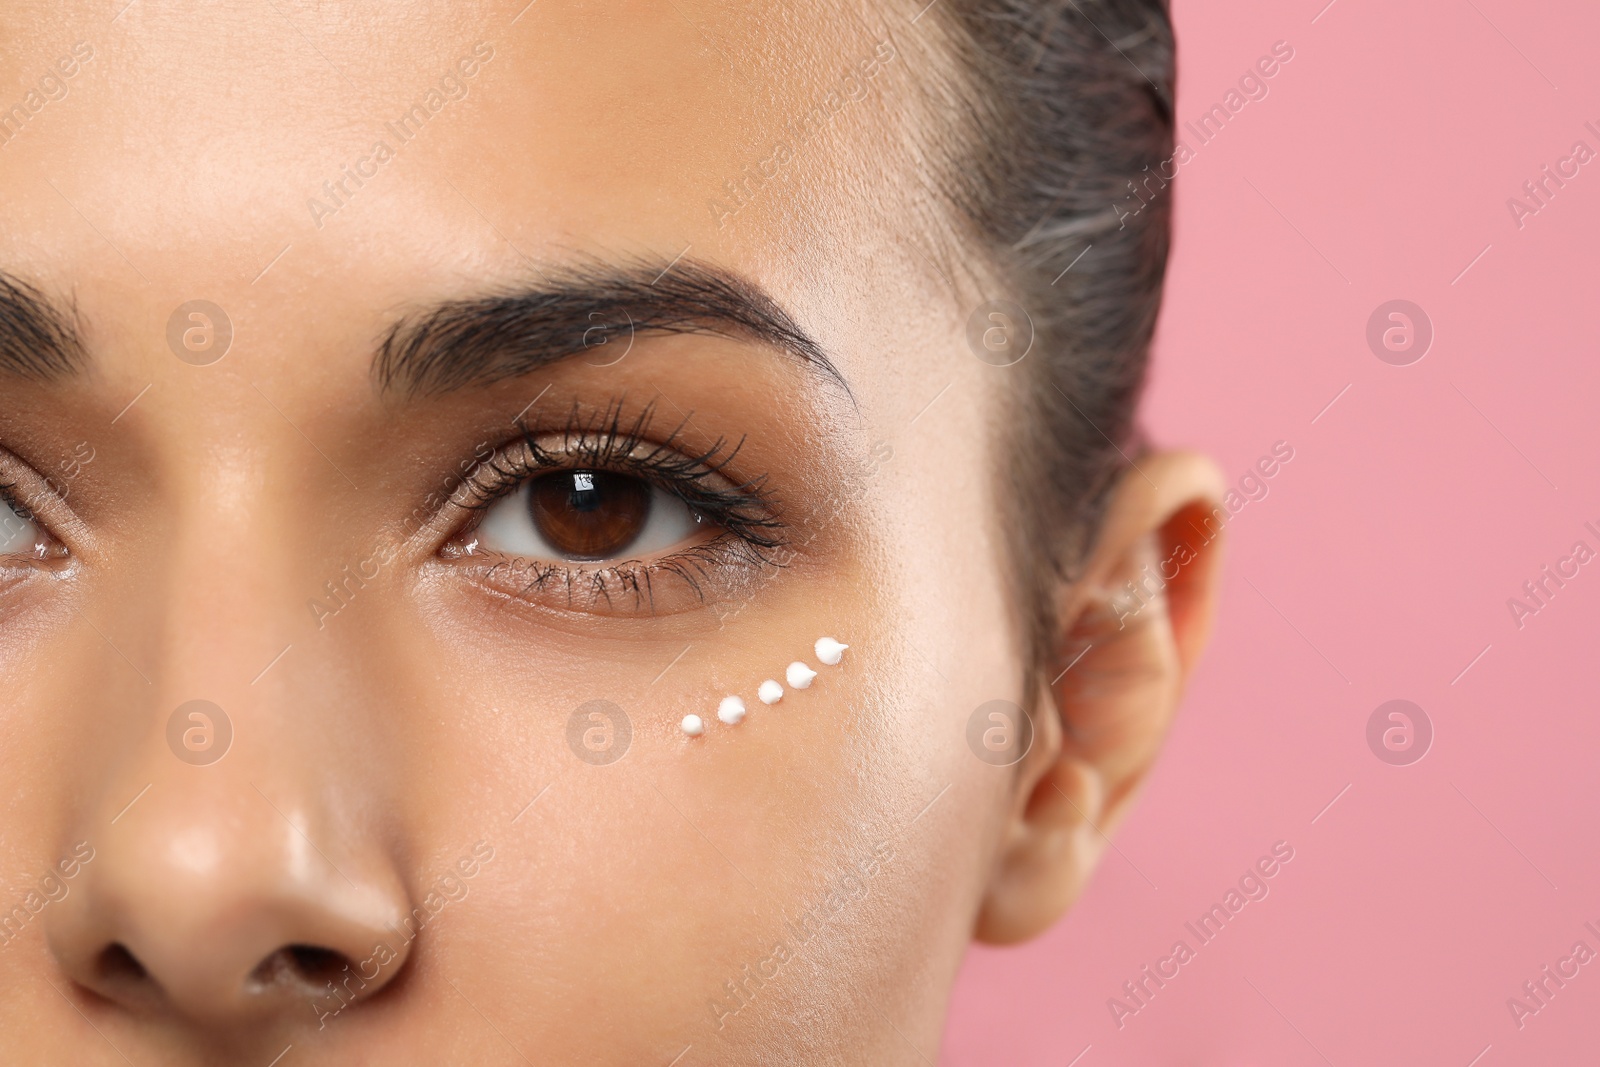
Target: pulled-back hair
x=1067 y=109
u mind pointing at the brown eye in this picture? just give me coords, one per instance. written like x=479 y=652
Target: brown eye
x=589 y=514
x=586 y=515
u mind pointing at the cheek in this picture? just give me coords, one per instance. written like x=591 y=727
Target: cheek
x=660 y=875
x=693 y=857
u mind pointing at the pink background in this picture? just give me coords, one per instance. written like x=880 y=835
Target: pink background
x=1379 y=567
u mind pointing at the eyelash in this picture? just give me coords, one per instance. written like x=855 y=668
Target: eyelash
x=8 y=497
x=751 y=530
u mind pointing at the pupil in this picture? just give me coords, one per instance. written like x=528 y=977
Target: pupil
x=589 y=514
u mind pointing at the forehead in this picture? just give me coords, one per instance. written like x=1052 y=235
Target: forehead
x=355 y=156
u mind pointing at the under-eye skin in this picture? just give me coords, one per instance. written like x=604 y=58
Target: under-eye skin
x=601 y=516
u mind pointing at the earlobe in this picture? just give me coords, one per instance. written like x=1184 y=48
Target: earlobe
x=1130 y=631
x=1050 y=847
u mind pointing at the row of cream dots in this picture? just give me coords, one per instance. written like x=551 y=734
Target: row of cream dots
x=731 y=709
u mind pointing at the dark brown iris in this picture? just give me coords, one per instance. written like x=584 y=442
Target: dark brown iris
x=589 y=514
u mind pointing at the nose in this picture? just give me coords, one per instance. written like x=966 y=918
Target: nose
x=227 y=906
x=249 y=858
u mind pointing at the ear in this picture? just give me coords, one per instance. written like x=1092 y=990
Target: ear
x=1131 y=628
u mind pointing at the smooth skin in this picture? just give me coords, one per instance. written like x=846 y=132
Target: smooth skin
x=405 y=750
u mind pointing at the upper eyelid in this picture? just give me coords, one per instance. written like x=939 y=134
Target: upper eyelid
x=644 y=458
x=39 y=496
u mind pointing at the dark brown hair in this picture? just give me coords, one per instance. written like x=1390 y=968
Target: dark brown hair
x=1066 y=108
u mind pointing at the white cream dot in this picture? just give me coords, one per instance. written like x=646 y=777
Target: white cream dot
x=830 y=651
x=770 y=692
x=731 y=710
x=799 y=675
x=693 y=725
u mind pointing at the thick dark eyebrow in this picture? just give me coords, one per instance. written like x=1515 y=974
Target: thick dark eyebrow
x=39 y=338
x=594 y=308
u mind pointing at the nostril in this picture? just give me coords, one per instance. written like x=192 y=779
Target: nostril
x=118 y=966
x=311 y=967
x=115 y=972
x=317 y=965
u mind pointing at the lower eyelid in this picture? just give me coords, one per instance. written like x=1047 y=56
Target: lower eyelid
x=694 y=577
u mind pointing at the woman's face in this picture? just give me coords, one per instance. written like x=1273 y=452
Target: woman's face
x=562 y=370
